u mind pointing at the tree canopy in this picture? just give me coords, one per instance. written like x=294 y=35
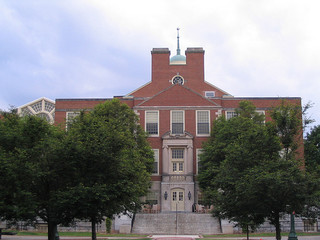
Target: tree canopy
x=115 y=161
x=101 y=166
x=242 y=171
x=34 y=172
x=312 y=162
x=312 y=149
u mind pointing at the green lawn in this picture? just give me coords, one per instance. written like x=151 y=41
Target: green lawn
x=82 y=234
x=259 y=235
x=145 y=237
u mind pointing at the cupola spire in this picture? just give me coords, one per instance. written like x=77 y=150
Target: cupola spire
x=178 y=59
x=178 y=42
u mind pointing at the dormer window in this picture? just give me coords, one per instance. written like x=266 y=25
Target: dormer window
x=209 y=94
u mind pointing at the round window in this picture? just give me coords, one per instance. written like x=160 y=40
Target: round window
x=178 y=80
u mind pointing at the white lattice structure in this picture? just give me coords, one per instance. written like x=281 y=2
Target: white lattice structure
x=42 y=107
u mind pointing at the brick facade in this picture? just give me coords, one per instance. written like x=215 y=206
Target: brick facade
x=176 y=105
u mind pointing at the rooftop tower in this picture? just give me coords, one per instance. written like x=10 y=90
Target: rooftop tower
x=178 y=59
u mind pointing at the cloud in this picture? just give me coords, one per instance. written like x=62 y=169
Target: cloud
x=97 y=48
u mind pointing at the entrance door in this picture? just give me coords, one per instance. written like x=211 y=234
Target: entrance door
x=177 y=200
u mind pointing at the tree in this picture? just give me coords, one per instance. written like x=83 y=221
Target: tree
x=312 y=150
x=312 y=163
x=235 y=147
x=15 y=201
x=115 y=162
x=34 y=173
x=243 y=174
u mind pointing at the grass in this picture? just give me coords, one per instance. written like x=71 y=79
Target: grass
x=284 y=234
x=81 y=234
x=144 y=237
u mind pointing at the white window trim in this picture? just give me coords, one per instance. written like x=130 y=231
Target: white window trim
x=207 y=134
x=178 y=161
x=67 y=117
x=207 y=92
x=183 y=120
x=156 y=159
x=229 y=111
x=258 y=111
x=145 y=123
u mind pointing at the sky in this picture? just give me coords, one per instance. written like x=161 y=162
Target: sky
x=102 y=48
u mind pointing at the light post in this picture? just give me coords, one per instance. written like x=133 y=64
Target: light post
x=292 y=234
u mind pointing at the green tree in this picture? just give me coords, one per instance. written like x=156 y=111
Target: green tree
x=243 y=174
x=287 y=121
x=236 y=146
x=312 y=163
x=15 y=200
x=115 y=162
x=34 y=173
x=312 y=150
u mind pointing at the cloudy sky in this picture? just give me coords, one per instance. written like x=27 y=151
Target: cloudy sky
x=101 y=48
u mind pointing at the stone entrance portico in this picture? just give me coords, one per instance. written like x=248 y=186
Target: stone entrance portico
x=177 y=185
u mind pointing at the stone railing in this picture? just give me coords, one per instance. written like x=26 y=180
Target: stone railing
x=177 y=178
x=148 y=208
x=198 y=208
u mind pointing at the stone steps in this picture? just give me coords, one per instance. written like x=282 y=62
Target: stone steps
x=175 y=223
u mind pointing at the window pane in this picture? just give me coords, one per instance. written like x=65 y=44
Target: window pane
x=180 y=167
x=174 y=196
x=177 y=128
x=70 y=118
x=203 y=122
x=174 y=167
x=210 y=94
x=203 y=128
x=177 y=122
x=152 y=128
x=177 y=153
x=177 y=116
x=180 y=196
x=231 y=115
x=152 y=122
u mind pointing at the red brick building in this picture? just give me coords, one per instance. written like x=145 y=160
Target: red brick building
x=176 y=108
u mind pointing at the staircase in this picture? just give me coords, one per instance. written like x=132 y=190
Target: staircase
x=175 y=223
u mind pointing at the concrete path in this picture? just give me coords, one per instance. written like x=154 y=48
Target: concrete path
x=174 y=237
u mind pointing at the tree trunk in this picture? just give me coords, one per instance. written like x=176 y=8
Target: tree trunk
x=52 y=229
x=247 y=231
x=277 y=225
x=93 y=230
x=220 y=225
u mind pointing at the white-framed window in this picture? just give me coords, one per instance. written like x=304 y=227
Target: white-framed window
x=177 y=160
x=231 y=114
x=70 y=116
x=155 y=170
x=210 y=94
x=152 y=122
x=177 y=121
x=203 y=122
x=262 y=112
x=198 y=152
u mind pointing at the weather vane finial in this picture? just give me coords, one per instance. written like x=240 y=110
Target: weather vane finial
x=178 y=48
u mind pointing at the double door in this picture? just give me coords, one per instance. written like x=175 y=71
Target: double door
x=177 y=200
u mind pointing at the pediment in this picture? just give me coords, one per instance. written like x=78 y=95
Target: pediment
x=178 y=95
x=185 y=135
